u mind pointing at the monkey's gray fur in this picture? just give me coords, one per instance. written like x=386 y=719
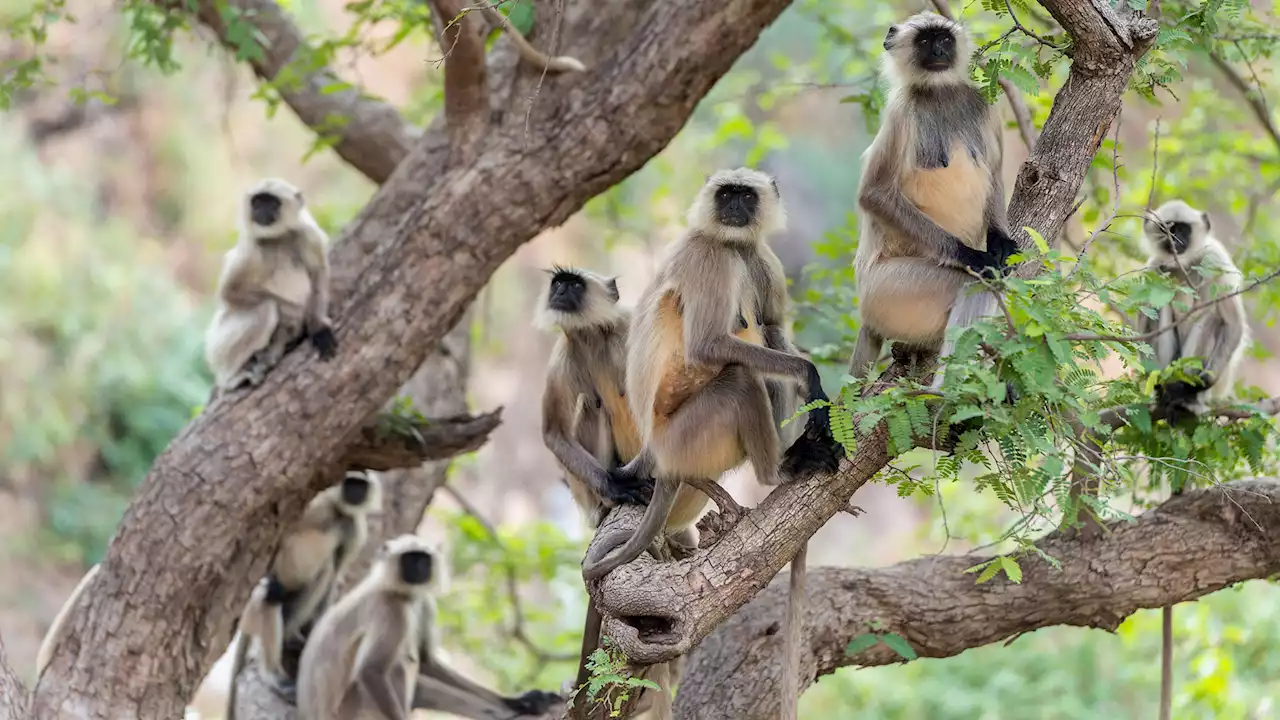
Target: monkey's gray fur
x=932 y=197
x=274 y=288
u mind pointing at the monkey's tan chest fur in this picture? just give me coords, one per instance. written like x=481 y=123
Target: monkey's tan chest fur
x=954 y=196
x=626 y=436
x=681 y=378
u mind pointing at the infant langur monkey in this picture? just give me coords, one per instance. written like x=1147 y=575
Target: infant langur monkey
x=586 y=422
x=300 y=585
x=1179 y=243
x=932 y=197
x=274 y=288
x=373 y=654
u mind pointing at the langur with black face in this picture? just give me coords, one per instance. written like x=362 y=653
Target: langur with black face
x=374 y=653
x=696 y=388
x=274 y=288
x=1179 y=243
x=312 y=558
x=932 y=197
x=586 y=422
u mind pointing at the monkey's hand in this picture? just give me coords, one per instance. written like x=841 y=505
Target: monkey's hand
x=1000 y=246
x=534 y=702
x=325 y=342
x=624 y=488
x=986 y=264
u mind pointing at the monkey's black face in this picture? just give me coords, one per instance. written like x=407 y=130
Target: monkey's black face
x=415 y=567
x=1177 y=237
x=568 y=291
x=355 y=490
x=934 y=49
x=264 y=209
x=736 y=205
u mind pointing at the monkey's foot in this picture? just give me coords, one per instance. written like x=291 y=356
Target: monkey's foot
x=623 y=488
x=680 y=550
x=853 y=510
x=534 y=702
x=325 y=342
x=813 y=453
x=251 y=376
x=729 y=508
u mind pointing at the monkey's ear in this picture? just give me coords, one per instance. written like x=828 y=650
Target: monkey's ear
x=612 y=284
x=889 y=36
x=776 y=191
x=1205 y=216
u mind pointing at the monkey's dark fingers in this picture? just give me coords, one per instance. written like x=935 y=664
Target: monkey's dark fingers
x=325 y=342
x=815 y=452
x=629 y=491
x=534 y=702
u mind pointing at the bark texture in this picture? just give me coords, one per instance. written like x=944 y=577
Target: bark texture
x=209 y=513
x=1190 y=546
x=658 y=611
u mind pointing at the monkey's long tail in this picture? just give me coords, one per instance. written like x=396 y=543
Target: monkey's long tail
x=1166 y=663
x=237 y=664
x=655 y=517
x=967 y=310
x=558 y=64
x=794 y=636
x=590 y=641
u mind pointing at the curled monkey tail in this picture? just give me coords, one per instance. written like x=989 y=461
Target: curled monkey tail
x=968 y=309
x=598 y=563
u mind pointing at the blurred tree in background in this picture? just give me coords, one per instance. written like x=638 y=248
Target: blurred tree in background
x=126 y=143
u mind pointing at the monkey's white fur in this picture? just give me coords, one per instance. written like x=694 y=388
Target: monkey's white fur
x=770 y=217
x=901 y=71
x=598 y=308
x=239 y=330
x=1218 y=275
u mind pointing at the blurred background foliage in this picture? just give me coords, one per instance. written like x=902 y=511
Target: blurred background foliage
x=126 y=142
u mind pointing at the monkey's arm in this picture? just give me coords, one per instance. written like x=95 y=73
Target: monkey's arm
x=318 y=325
x=881 y=195
x=239 y=286
x=999 y=244
x=433 y=668
x=557 y=436
x=375 y=678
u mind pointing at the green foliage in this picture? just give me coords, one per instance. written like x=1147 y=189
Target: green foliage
x=611 y=681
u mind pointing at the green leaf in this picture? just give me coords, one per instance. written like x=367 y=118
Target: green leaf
x=1036 y=238
x=861 y=643
x=899 y=644
x=1011 y=568
x=521 y=16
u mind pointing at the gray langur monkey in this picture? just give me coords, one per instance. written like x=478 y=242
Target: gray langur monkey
x=586 y=421
x=932 y=197
x=56 y=630
x=1178 y=240
x=274 y=288
x=1179 y=243
x=707 y=333
x=530 y=54
x=313 y=556
x=373 y=653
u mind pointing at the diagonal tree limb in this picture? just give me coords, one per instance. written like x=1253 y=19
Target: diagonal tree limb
x=374 y=137
x=1189 y=547
x=388 y=444
x=205 y=520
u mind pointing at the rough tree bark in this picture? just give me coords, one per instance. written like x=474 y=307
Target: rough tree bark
x=659 y=611
x=205 y=520
x=1190 y=546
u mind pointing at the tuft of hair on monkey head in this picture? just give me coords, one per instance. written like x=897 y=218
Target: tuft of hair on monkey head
x=576 y=299
x=1175 y=228
x=927 y=49
x=272 y=208
x=741 y=205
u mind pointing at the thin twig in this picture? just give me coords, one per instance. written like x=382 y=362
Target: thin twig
x=1026 y=30
x=517 y=630
x=1258 y=106
x=1195 y=309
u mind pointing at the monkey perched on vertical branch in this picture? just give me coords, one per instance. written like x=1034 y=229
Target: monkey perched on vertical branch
x=587 y=424
x=274 y=288
x=1179 y=243
x=374 y=653
x=312 y=558
x=932 y=197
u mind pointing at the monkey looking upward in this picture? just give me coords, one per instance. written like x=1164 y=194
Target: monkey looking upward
x=932 y=197
x=274 y=288
x=1179 y=243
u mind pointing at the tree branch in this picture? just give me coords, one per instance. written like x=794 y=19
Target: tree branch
x=1252 y=96
x=466 y=96
x=374 y=138
x=14 y=696
x=205 y=520
x=1190 y=546
x=388 y=443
